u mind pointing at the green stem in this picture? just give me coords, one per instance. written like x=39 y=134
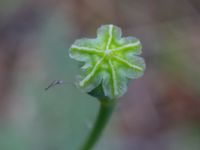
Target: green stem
x=105 y=111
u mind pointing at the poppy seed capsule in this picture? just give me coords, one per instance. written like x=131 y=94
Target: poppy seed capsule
x=110 y=61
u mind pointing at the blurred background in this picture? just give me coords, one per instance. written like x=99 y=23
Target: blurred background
x=160 y=111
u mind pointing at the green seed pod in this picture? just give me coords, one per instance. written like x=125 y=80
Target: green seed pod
x=109 y=62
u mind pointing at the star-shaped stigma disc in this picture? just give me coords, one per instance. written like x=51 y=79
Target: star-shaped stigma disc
x=109 y=60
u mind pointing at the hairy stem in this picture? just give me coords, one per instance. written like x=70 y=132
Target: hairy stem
x=105 y=111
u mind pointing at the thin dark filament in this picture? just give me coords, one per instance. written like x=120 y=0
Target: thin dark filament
x=55 y=83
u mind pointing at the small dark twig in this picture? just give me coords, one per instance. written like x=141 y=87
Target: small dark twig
x=55 y=83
